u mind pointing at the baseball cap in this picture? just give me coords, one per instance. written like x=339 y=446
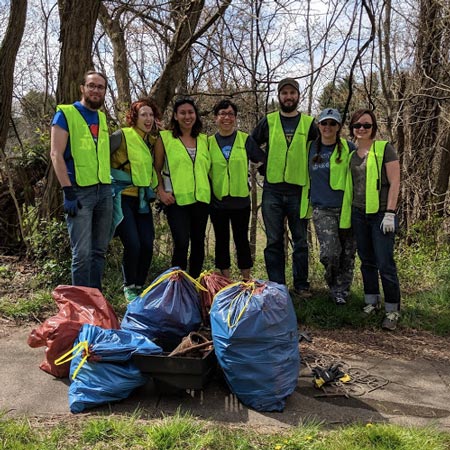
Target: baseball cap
x=330 y=113
x=288 y=81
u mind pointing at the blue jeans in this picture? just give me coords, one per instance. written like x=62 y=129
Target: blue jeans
x=89 y=233
x=137 y=232
x=276 y=208
x=376 y=252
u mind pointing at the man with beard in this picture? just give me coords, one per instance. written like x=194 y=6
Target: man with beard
x=286 y=135
x=80 y=157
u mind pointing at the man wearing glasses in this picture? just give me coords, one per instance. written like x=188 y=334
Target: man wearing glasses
x=286 y=134
x=80 y=157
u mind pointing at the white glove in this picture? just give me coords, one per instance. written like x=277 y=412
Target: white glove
x=388 y=223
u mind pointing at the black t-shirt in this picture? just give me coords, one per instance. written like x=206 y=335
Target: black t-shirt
x=261 y=135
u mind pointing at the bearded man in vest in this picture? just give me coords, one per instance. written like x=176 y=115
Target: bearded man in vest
x=287 y=135
x=80 y=157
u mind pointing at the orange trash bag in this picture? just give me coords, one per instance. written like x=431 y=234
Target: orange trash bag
x=77 y=305
x=213 y=282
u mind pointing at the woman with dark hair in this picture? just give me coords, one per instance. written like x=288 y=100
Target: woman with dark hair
x=231 y=151
x=328 y=162
x=132 y=166
x=371 y=194
x=182 y=164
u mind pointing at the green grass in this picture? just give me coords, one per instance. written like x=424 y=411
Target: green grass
x=183 y=431
x=423 y=267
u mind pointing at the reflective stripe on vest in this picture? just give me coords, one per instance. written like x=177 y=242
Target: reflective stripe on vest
x=189 y=178
x=229 y=177
x=140 y=157
x=373 y=183
x=338 y=175
x=91 y=161
x=289 y=165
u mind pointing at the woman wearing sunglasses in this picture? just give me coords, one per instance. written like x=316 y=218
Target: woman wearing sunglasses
x=371 y=193
x=328 y=162
x=182 y=163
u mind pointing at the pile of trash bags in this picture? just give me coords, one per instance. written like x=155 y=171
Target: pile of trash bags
x=253 y=328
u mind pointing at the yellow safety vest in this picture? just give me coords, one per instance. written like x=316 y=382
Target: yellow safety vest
x=91 y=161
x=142 y=171
x=288 y=164
x=229 y=177
x=373 y=184
x=189 y=178
x=338 y=175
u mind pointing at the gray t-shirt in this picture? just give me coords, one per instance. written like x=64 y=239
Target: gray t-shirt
x=358 y=168
x=321 y=193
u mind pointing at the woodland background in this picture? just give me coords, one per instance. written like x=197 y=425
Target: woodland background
x=390 y=55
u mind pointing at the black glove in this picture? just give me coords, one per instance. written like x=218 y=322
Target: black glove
x=71 y=202
x=323 y=376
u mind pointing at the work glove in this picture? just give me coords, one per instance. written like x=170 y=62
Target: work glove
x=71 y=202
x=323 y=376
x=388 y=223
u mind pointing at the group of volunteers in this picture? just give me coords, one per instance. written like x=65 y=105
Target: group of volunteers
x=350 y=189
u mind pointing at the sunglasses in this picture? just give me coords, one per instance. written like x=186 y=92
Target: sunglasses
x=366 y=126
x=329 y=123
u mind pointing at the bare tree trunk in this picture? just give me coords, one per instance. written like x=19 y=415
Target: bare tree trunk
x=425 y=109
x=8 y=53
x=113 y=29
x=186 y=16
x=78 y=19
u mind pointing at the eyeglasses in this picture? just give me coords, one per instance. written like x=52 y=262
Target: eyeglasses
x=328 y=123
x=366 y=126
x=92 y=87
x=226 y=114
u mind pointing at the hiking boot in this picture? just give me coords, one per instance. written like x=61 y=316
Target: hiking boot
x=339 y=299
x=130 y=293
x=302 y=293
x=390 y=320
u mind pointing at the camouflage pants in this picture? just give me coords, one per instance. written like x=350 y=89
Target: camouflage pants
x=337 y=250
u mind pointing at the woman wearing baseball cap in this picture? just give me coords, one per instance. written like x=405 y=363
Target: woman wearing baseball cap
x=328 y=163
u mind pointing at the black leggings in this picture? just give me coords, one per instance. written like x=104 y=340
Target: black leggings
x=188 y=225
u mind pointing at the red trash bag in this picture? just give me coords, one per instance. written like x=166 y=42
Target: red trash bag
x=213 y=282
x=77 y=305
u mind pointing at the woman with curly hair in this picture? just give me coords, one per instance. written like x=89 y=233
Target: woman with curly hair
x=132 y=165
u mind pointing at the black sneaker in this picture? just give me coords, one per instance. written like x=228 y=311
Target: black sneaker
x=303 y=293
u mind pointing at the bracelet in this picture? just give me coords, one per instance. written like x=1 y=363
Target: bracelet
x=390 y=211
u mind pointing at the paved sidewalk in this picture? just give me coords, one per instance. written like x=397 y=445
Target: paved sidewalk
x=418 y=393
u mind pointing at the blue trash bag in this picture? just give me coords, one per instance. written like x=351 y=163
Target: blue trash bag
x=254 y=330
x=118 y=345
x=94 y=382
x=167 y=310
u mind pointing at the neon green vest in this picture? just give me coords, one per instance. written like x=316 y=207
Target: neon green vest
x=141 y=161
x=373 y=183
x=92 y=162
x=289 y=165
x=229 y=177
x=189 y=178
x=338 y=176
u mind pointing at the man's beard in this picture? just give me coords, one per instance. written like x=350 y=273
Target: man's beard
x=289 y=108
x=92 y=104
